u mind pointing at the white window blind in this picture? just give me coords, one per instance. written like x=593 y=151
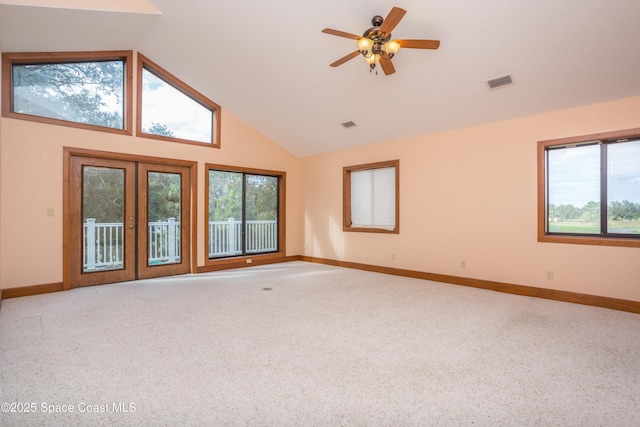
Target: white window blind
x=373 y=198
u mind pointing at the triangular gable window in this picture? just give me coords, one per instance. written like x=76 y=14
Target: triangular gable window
x=171 y=110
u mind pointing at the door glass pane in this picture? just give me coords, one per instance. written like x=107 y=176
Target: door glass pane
x=261 y=228
x=623 y=187
x=102 y=218
x=163 y=218
x=574 y=190
x=225 y=213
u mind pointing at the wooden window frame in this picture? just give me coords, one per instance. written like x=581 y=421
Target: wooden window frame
x=282 y=234
x=599 y=240
x=346 y=201
x=161 y=73
x=10 y=59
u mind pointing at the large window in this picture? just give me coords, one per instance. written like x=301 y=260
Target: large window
x=79 y=89
x=371 y=199
x=591 y=189
x=93 y=90
x=245 y=212
x=171 y=110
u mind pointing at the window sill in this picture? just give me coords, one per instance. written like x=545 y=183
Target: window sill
x=587 y=240
x=372 y=230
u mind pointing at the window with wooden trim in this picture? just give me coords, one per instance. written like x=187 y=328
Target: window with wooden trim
x=245 y=211
x=371 y=197
x=89 y=90
x=589 y=189
x=171 y=110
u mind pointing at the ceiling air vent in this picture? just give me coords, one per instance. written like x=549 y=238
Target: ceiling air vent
x=500 y=81
x=349 y=124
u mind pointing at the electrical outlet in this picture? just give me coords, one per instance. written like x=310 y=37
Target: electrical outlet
x=249 y=261
x=463 y=263
x=393 y=256
x=549 y=274
x=306 y=247
x=49 y=211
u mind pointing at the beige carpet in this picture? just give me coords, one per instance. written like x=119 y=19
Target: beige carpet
x=325 y=346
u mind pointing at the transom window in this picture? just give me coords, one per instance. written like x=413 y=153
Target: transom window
x=170 y=109
x=591 y=190
x=79 y=89
x=371 y=199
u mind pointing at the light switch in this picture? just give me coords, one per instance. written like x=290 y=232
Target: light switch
x=50 y=212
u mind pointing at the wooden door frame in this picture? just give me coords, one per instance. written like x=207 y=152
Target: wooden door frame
x=69 y=152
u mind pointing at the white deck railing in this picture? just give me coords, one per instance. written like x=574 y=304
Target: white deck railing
x=103 y=242
x=225 y=237
x=102 y=245
x=164 y=242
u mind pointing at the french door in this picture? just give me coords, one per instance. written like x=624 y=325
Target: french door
x=128 y=220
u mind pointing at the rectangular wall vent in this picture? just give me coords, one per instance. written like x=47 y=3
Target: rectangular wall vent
x=348 y=124
x=500 y=81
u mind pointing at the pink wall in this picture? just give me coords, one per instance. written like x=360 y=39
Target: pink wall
x=471 y=194
x=31 y=156
x=467 y=194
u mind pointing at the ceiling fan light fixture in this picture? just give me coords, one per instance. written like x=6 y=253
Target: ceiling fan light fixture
x=364 y=45
x=391 y=47
x=372 y=60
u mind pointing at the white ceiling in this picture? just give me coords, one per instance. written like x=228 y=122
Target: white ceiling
x=267 y=62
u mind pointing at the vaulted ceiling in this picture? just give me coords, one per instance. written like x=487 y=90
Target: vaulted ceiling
x=267 y=62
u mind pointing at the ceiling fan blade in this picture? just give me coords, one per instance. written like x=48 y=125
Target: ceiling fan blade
x=387 y=66
x=345 y=58
x=392 y=19
x=419 y=44
x=340 y=34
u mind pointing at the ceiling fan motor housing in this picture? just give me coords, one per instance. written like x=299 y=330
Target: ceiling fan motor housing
x=376 y=36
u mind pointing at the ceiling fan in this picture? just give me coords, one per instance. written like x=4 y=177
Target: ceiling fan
x=376 y=45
